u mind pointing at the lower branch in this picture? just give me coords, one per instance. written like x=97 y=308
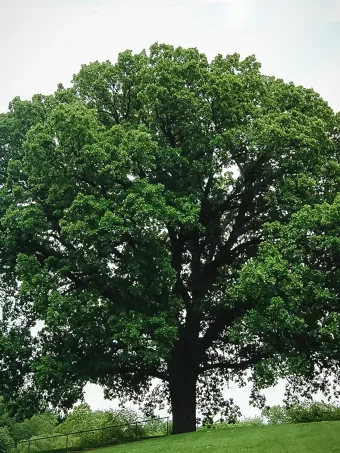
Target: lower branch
x=237 y=366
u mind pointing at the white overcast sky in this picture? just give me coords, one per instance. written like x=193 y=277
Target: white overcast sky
x=44 y=42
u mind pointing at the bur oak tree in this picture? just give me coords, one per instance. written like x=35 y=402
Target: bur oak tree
x=133 y=209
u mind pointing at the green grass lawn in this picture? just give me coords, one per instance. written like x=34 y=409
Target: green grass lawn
x=321 y=437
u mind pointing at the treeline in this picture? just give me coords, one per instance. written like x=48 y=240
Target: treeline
x=121 y=425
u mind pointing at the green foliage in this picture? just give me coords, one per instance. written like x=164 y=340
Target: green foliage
x=120 y=425
x=155 y=428
x=304 y=412
x=37 y=426
x=225 y=410
x=6 y=420
x=132 y=211
x=252 y=421
x=276 y=415
x=313 y=412
x=6 y=442
x=294 y=280
x=82 y=428
x=39 y=444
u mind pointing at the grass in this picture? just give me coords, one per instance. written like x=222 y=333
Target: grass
x=322 y=437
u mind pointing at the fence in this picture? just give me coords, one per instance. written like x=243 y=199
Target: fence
x=96 y=437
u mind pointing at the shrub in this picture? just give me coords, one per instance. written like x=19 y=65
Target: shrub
x=251 y=421
x=276 y=415
x=308 y=412
x=37 y=426
x=83 y=428
x=5 y=419
x=6 y=442
x=55 y=444
x=155 y=427
x=304 y=412
x=119 y=424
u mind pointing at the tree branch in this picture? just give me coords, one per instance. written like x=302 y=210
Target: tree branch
x=238 y=366
x=177 y=245
x=223 y=319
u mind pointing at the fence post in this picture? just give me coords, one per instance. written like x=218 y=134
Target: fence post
x=67 y=443
x=29 y=446
x=136 y=430
x=103 y=437
x=167 y=426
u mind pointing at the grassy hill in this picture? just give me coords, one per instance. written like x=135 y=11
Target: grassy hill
x=321 y=437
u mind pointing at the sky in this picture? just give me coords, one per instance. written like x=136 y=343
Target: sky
x=44 y=42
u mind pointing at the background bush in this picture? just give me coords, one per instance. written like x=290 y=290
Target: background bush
x=6 y=441
x=38 y=426
x=276 y=415
x=86 y=425
x=304 y=412
x=313 y=412
x=120 y=426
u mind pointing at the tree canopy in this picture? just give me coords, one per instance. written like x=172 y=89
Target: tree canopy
x=173 y=218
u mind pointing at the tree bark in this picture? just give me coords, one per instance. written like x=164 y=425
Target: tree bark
x=183 y=369
x=183 y=401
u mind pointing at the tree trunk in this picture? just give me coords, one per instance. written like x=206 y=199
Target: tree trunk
x=183 y=401
x=183 y=373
